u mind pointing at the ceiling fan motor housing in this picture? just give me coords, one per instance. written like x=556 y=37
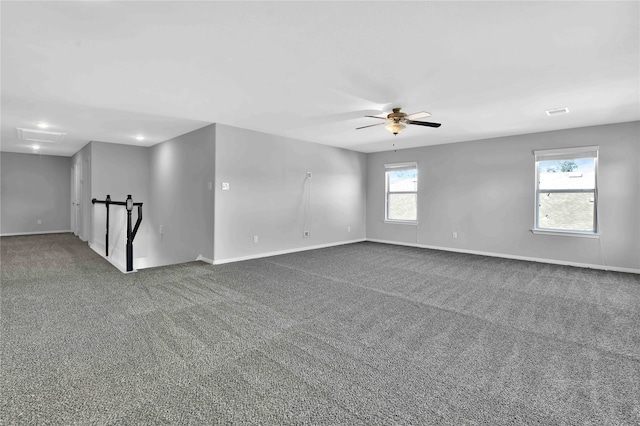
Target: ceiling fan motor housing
x=396 y=115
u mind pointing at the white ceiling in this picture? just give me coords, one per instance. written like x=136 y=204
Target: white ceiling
x=107 y=71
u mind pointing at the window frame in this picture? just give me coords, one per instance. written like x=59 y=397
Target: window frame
x=395 y=167
x=566 y=154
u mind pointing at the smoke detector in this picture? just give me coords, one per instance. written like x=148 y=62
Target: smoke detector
x=34 y=135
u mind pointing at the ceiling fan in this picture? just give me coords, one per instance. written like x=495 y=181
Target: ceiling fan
x=395 y=121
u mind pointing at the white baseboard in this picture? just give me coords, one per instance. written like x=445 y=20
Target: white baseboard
x=511 y=256
x=279 y=252
x=204 y=259
x=122 y=268
x=15 y=234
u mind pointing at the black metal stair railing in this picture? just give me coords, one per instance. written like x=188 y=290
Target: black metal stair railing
x=131 y=234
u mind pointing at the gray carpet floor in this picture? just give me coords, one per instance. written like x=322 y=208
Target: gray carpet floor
x=364 y=333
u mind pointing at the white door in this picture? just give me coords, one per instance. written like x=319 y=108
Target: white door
x=75 y=194
x=72 y=199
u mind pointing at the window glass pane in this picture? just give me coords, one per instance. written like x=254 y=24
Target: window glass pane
x=402 y=207
x=566 y=211
x=579 y=173
x=403 y=180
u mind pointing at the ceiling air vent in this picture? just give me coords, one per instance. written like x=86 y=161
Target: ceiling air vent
x=557 y=111
x=33 y=135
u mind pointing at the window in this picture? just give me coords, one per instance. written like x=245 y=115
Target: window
x=566 y=191
x=401 y=201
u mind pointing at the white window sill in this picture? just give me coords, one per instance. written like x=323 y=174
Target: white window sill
x=402 y=222
x=565 y=233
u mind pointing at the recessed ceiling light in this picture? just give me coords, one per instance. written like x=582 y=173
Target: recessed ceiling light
x=140 y=137
x=42 y=125
x=557 y=111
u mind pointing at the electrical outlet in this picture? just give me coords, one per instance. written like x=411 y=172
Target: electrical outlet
x=454 y=235
x=306 y=234
x=309 y=175
x=255 y=238
x=39 y=221
x=225 y=186
x=210 y=186
x=162 y=229
x=348 y=229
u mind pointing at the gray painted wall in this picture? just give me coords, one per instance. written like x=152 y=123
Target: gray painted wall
x=484 y=190
x=34 y=187
x=180 y=198
x=268 y=194
x=119 y=170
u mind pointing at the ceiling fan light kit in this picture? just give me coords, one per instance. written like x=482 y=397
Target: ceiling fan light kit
x=395 y=127
x=397 y=120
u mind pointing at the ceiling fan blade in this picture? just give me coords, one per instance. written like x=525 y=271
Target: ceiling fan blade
x=423 y=123
x=318 y=120
x=375 y=116
x=422 y=114
x=370 y=125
